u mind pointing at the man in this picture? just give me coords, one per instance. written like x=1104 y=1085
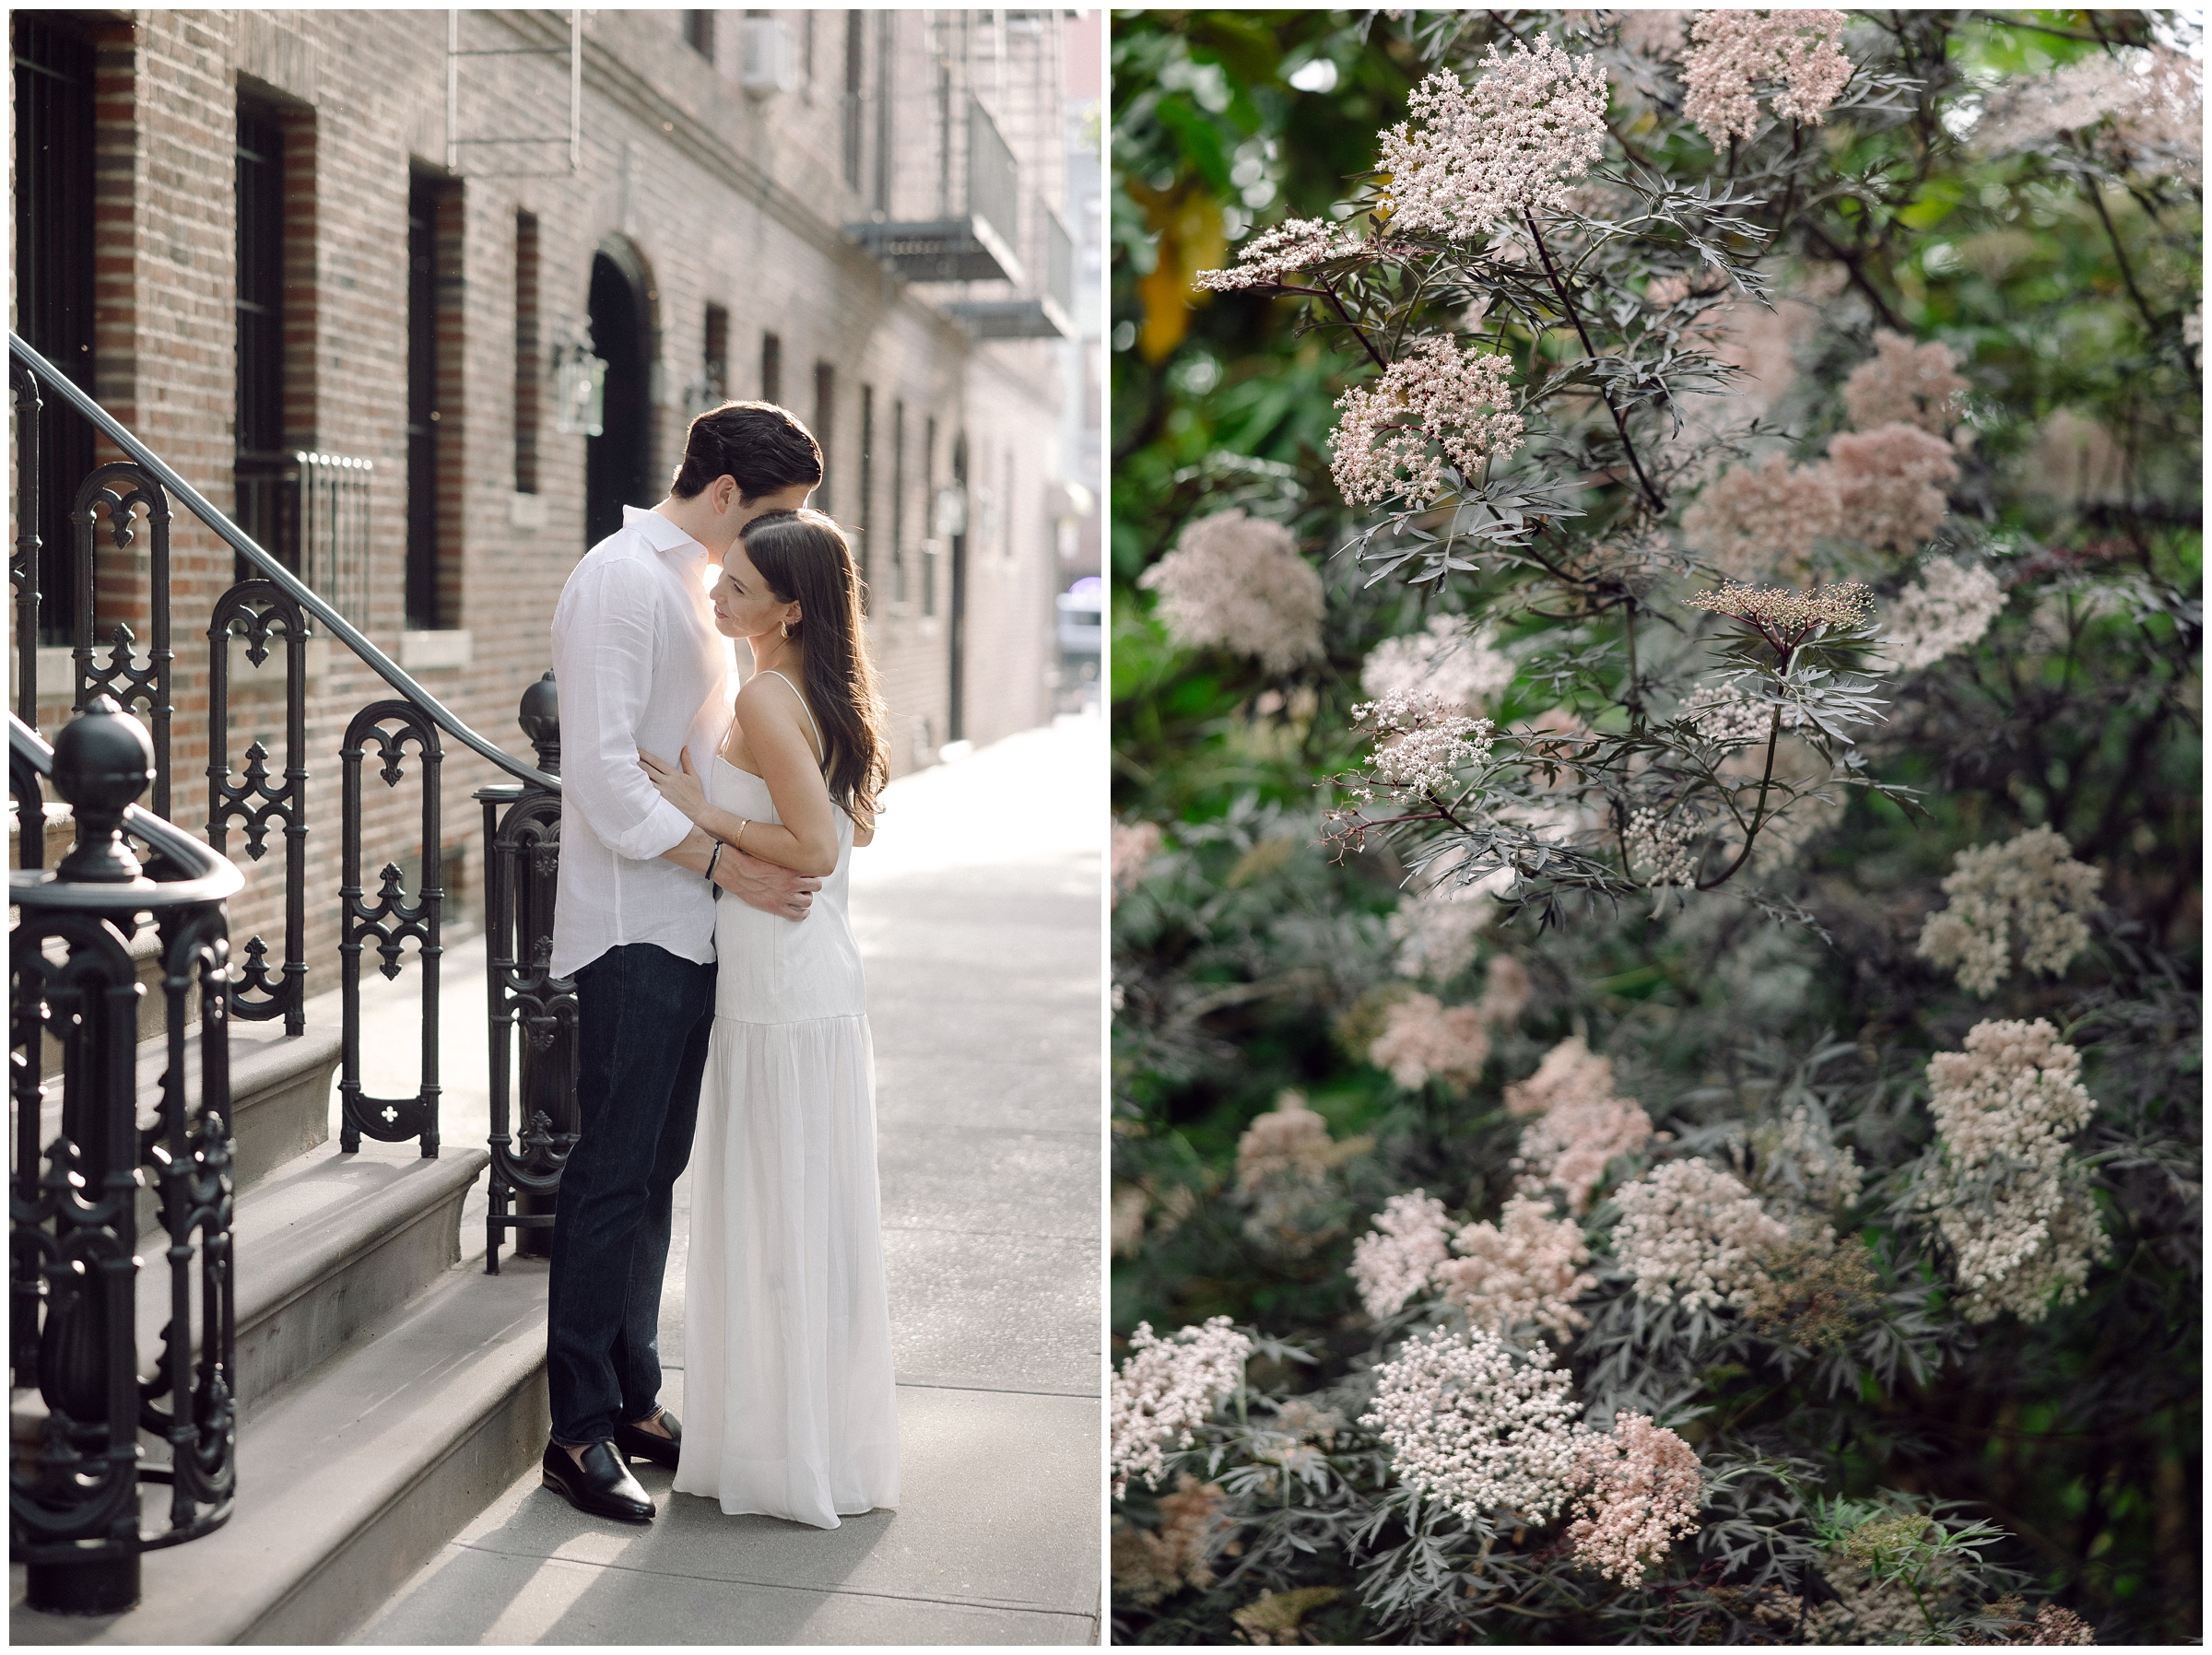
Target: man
x=639 y=665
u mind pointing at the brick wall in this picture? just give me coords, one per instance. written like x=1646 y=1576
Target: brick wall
x=727 y=201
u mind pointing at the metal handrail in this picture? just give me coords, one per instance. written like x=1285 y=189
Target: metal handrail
x=272 y=569
x=210 y=875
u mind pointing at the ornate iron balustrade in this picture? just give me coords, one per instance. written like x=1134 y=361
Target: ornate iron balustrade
x=264 y=798
x=521 y=834
x=73 y=1233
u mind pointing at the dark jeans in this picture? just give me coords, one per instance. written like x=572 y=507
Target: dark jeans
x=642 y=1019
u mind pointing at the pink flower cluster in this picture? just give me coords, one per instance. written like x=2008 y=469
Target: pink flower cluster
x=1395 y=1260
x=2155 y=104
x=1524 y=1268
x=1581 y=1126
x=1732 y=54
x=1642 y=1488
x=1135 y=845
x=1470 y=156
x=1435 y=396
x=1904 y=384
x=1886 y=484
x=1448 y=659
x=1424 y=1038
x=1293 y=245
x=1753 y=520
x=1239 y=583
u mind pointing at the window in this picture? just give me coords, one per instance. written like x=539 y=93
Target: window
x=887 y=25
x=856 y=51
x=867 y=486
x=825 y=428
x=898 y=503
x=716 y=352
x=422 y=402
x=527 y=370
x=699 y=33
x=53 y=276
x=771 y=368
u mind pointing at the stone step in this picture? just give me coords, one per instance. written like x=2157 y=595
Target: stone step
x=353 y=1477
x=281 y=1091
x=326 y=1246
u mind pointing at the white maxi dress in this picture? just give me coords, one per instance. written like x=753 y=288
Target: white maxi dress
x=788 y=1402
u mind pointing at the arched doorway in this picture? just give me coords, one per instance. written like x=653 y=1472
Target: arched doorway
x=617 y=464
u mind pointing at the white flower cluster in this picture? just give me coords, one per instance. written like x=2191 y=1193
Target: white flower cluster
x=1434 y=395
x=1238 y=582
x=1524 y=1268
x=1472 y=1427
x=1692 y=1232
x=1420 y=744
x=1659 y=850
x=1293 y=245
x=1470 y=156
x=1946 y=610
x=1449 y=660
x=2013 y=1206
x=1734 y=52
x=1166 y=1390
x=1437 y=934
x=1395 y=1260
x=2029 y=886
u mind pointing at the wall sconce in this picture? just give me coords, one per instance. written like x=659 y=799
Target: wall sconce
x=579 y=385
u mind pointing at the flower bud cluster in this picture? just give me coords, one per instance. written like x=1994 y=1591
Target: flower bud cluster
x=1786 y=618
x=1135 y=845
x=1476 y=1430
x=1420 y=744
x=1581 y=1126
x=1904 y=384
x=1394 y=1261
x=1424 y=1038
x=1524 y=1268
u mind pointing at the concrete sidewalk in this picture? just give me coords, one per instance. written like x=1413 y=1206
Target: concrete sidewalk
x=979 y=914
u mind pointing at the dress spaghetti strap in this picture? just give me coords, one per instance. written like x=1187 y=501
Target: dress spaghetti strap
x=822 y=746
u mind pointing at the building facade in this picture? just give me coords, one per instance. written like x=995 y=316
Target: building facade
x=426 y=298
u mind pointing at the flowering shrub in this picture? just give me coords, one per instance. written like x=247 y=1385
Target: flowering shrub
x=1727 y=858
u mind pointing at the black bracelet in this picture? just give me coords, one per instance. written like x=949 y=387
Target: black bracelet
x=713 y=858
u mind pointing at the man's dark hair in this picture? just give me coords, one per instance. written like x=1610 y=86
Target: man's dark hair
x=763 y=446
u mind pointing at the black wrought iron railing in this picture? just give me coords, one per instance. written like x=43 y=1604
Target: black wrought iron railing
x=78 y=1399
x=312 y=511
x=257 y=802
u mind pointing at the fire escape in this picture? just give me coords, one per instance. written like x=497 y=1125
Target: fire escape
x=972 y=217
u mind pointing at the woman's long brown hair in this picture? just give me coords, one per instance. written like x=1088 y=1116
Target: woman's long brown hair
x=803 y=558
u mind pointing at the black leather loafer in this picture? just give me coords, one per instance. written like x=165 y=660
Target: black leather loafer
x=601 y=1486
x=633 y=1443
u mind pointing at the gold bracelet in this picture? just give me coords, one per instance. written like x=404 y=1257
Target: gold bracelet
x=742 y=823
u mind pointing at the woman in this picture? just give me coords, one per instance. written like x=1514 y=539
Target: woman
x=788 y=1399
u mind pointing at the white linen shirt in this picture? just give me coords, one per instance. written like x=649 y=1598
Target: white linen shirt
x=639 y=664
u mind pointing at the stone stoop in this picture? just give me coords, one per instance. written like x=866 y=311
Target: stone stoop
x=281 y=1108
x=388 y=1389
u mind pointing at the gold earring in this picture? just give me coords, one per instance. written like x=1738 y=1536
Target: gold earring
x=785 y=627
